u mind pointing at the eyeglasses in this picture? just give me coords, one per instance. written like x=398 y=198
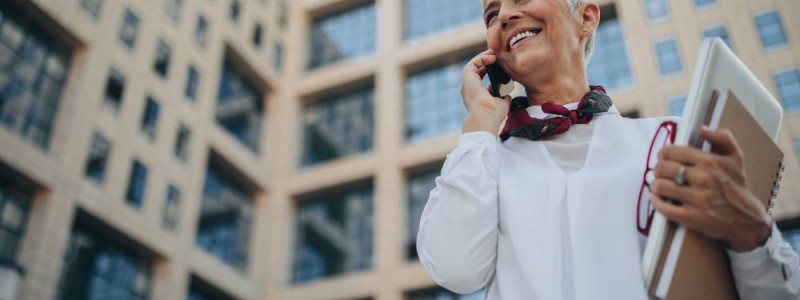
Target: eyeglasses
x=665 y=135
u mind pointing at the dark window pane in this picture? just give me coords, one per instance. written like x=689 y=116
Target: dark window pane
x=192 y=83
x=129 y=29
x=788 y=83
x=240 y=108
x=669 y=60
x=609 y=65
x=277 y=56
x=137 y=184
x=92 y=7
x=433 y=102
x=418 y=189
x=170 y=216
x=173 y=9
x=115 y=88
x=424 y=18
x=98 y=158
x=225 y=219
x=161 y=63
x=720 y=32
x=338 y=126
x=770 y=30
x=13 y=218
x=182 y=143
x=334 y=235
x=150 y=118
x=234 y=9
x=257 y=34
x=345 y=35
x=201 y=31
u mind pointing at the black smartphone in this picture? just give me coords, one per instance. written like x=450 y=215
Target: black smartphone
x=501 y=84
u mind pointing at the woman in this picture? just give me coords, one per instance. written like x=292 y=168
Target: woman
x=543 y=213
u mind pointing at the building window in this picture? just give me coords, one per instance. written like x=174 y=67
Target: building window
x=129 y=29
x=418 y=189
x=277 y=56
x=13 y=217
x=669 y=60
x=345 y=35
x=424 y=18
x=797 y=147
x=170 y=216
x=192 y=83
x=704 y=3
x=770 y=30
x=257 y=34
x=99 y=152
x=93 y=7
x=788 y=83
x=182 y=142
x=338 y=126
x=161 y=63
x=240 y=108
x=173 y=9
x=440 y=293
x=33 y=74
x=433 y=102
x=720 y=32
x=676 y=105
x=137 y=184
x=95 y=268
x=225 y=218
x=201 y=32
x=201 y=290
x=150 y=118
x=283 y=14
x=334 y=235
x=115 y=88
x=656 y=10
x=609 y=65
x=234 y=9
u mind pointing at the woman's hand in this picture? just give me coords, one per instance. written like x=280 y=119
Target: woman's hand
x=716 y=200
x=484 y=112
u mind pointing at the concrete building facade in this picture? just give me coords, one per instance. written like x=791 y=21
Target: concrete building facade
x=274 y=149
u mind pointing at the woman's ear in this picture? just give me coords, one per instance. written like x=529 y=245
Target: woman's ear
x=590 y=18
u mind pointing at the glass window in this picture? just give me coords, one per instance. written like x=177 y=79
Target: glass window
x=240 y=108
x=170 y=216
x=338 y=126
x=201 y=31
x=115 y=88
x=182 y=143
x=33 y=74
x=283 y=14
x=95 y=268
x=137 y=184
x=161 y=63
x=609 y=65
x=129 y=29
x=433 y=102
x=201 y=290
x=225 y=218
x=192 y=83
x=656 y=9
x=334 y=235
x=93 y=7
x=439 y=293
x=788 y=83
x=676 y=105
x=257 y=33
x=234 y=10
x=13 y=217
x=150 y=118
x=720 y=32
x=770 y=30
x=345 y=35
x=418 y=189
x=173 y=9
x=277 y=56
x=99 y=151
x=797 y=147
x=669 y=60
x=704 y=3
x=424 y=18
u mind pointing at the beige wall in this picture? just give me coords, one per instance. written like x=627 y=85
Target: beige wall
x=275 y=171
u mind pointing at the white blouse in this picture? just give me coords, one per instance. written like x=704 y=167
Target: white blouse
x=556 y=219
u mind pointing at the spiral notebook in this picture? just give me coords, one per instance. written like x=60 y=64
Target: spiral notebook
x=691 y=265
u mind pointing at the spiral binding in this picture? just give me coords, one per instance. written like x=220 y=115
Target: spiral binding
x=776 y=186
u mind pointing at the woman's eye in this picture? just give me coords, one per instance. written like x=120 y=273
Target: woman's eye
x=490 y=17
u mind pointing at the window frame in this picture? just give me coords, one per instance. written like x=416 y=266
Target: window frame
x=773 y=48
x=674 y=74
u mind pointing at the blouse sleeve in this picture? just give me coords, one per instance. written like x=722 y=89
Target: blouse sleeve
x=457 y=239
x=767 y=272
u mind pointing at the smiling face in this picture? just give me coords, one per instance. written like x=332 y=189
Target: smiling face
x=536 y=39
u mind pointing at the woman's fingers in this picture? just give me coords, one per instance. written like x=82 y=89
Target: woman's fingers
x=682 y=194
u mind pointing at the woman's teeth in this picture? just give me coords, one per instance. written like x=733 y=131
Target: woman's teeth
x=519 y=37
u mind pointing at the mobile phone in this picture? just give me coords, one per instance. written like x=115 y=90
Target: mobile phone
x=500 y=83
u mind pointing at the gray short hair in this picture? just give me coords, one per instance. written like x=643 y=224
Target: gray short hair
x=587 y=52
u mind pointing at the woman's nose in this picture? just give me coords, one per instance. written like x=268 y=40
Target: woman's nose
x=508 y=16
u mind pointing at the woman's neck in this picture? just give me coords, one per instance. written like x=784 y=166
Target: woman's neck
x=563 y=90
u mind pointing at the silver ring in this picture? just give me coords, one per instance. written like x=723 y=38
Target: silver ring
x=680 y=178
